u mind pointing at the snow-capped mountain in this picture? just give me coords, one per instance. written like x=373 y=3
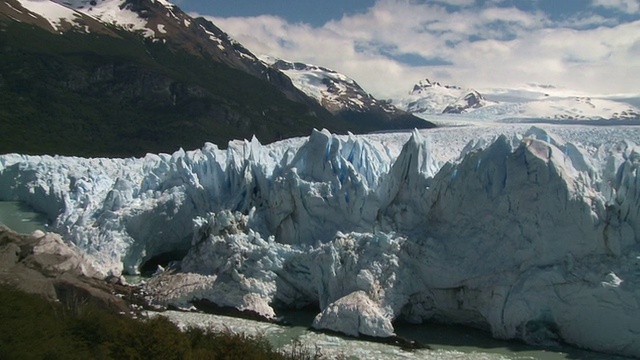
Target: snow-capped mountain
x=560 y=108
x=432 y=97
x=110 y=61
x=467 y=102
x=158 y=20
x=532 y=101
x=337 y=92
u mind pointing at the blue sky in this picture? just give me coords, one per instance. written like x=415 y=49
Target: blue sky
x=588 y=46
x=313 y=12
x=317 y=13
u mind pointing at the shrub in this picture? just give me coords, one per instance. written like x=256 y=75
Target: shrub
x=33 y=328
x=30 y=328
x=228 y=345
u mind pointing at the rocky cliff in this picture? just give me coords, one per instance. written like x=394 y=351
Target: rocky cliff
x=42 y=263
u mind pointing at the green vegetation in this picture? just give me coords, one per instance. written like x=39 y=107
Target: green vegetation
x=100 y=95
x=33 y=328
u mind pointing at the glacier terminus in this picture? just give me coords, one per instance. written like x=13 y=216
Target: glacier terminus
x=528 y=232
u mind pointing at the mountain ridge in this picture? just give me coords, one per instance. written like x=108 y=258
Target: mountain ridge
x=534 y=101
x=83 y=86
x=342 y=95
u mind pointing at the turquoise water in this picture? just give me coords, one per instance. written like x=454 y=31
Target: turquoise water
x=450 y=341
x=21 y=218
x=446 y=342
x=468 y=340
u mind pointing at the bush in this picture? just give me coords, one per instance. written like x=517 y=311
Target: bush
x=227 y=345
x=30 y=328
x=33 y=328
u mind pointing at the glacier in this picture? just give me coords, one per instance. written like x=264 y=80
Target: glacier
x=510 y=229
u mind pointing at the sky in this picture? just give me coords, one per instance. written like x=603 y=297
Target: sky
x=584 y=46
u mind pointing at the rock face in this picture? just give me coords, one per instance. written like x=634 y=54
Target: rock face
x=42 y=263
x=528 y=237
x=470 y=100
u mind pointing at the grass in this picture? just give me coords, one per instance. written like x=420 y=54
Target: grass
x=33 y=328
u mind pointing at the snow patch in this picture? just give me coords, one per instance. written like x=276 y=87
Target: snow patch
x=53 y=12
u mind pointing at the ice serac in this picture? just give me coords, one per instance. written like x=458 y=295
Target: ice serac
x=325 y=188
x=404 y=188
x=527 y=236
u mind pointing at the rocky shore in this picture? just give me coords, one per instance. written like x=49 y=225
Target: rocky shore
x=42 y=263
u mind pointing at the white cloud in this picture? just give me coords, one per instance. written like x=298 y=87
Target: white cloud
x=627 y=6
x=457 y=2
x=587 y=21
x=490 y=47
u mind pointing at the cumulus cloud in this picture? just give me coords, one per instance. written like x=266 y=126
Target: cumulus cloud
x=398 y=42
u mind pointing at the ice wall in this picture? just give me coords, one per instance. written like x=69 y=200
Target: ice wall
x=525 y=236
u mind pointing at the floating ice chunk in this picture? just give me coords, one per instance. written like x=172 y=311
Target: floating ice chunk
x=355 y=314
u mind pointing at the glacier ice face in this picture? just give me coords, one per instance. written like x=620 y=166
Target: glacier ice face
x=525 y=235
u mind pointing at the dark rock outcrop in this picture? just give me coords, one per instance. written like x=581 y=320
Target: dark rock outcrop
x=471 y=100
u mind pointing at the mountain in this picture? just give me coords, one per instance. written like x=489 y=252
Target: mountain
x=468 y=101
x=127 y=77
x=532 y=101
x=432 y=97
x=342 y=96
x=561 y=108
x=535 y=101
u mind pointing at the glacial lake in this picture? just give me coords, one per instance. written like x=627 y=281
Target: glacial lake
x=446 y=342
x=21 y=218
